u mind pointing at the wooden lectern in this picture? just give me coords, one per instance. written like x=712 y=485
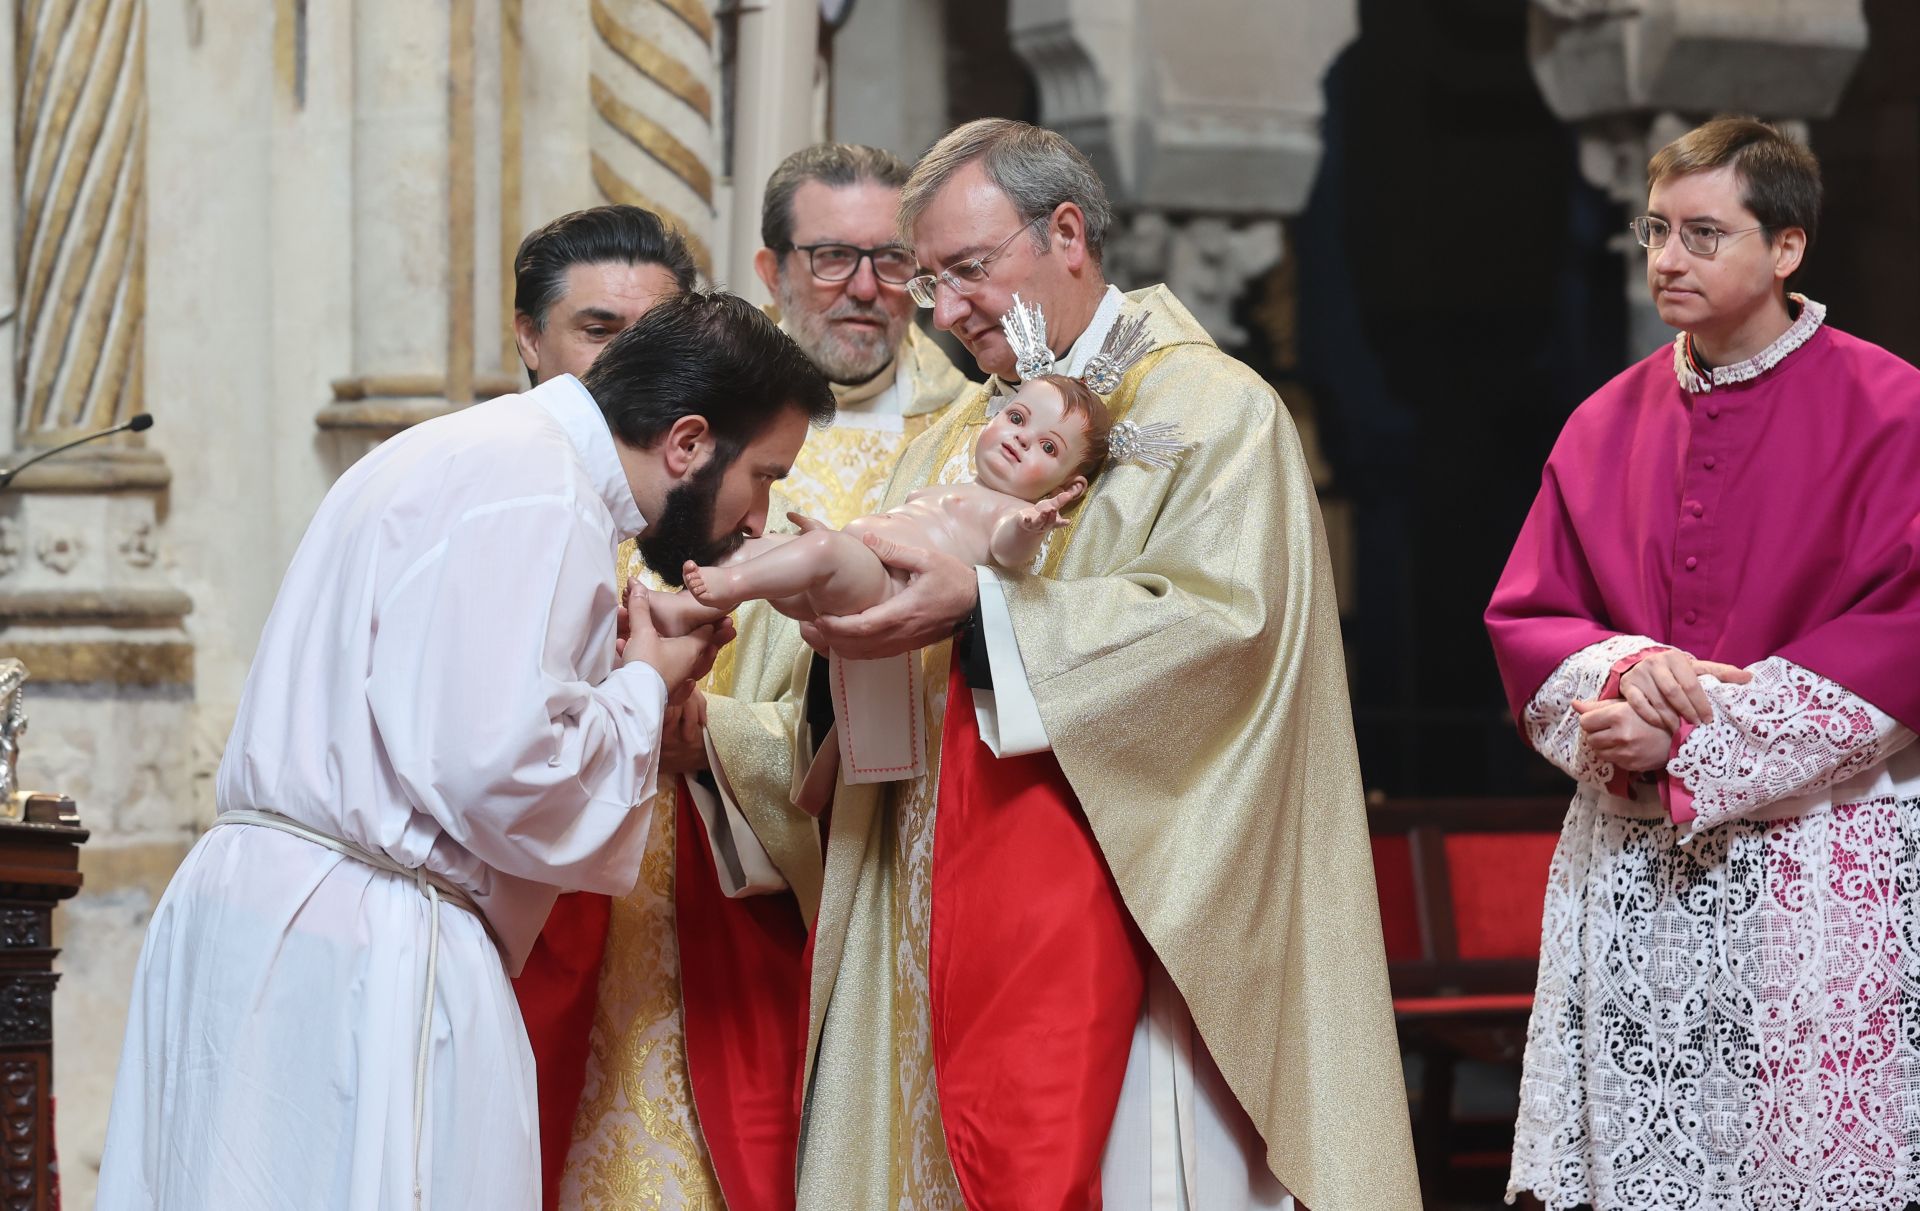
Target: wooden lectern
x=40 y=838
x=39 y=867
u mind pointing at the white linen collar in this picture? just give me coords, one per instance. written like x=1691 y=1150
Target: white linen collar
x=569 y=402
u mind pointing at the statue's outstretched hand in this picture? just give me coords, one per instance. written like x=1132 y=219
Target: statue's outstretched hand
x=1046 y=515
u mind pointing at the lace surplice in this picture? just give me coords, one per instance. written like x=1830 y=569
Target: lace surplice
x=1728 y=1012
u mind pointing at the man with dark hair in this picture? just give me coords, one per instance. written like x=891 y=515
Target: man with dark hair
x=1711 y=621
x=584 y=278
x=699 y=995
x=1130 y=902
x=439 y=731
x=579 y=282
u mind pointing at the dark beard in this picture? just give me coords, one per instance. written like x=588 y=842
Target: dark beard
x=685 y=528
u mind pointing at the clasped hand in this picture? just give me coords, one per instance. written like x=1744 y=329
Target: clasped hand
x=681 y=661
x=1635 y=731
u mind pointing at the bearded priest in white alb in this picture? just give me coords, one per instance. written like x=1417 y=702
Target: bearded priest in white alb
x=439 y=732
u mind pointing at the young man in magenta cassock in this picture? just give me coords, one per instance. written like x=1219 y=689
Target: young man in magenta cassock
x=1712 y=621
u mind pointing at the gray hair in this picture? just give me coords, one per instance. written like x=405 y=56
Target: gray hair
x=833 y=164
x=1036 y=168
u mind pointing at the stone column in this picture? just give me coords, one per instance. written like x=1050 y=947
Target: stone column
x=88 y=597
x=889 y=86
x=775 y=66
x=654 y=75
x=427 y=104
x=1205 y=127
x=80 y=240
x=82 y=594
x=1633 y=76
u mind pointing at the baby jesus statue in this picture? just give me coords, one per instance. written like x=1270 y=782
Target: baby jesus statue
x=1035 y=457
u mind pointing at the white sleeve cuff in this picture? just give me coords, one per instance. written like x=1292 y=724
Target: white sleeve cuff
x=1007 y=715
x=740 y=862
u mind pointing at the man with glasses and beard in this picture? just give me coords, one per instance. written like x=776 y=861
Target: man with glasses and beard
x=440 y=730
x=697 y=1001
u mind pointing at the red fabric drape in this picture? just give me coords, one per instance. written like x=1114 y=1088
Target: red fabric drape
x=558 y=990
x=742 y=982
x=1036 y=975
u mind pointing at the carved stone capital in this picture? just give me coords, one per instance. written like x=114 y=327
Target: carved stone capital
x=1187 y=105
x=1600 y=59
x=1206 y=261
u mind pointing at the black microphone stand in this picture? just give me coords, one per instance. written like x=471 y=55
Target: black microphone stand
x=136 y=424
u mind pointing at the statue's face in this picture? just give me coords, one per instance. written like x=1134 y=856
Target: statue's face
x=1031 y=448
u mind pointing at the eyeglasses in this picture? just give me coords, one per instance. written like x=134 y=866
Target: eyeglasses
x=1701 y=239
x=838 y=262
x=962 y=278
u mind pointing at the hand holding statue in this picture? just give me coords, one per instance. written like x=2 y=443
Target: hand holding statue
x=941 y=591
x=681 y=660
x=907 y=574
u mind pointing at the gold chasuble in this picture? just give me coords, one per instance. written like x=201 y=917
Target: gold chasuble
x=636 y=1140
x=1183 y=648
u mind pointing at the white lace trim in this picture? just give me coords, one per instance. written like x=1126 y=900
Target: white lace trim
x=1787 y=732
x=1811 y=316
x=1734 y=1024
x=1550 y=723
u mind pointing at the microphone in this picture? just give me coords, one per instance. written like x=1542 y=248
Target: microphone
x=138 y=424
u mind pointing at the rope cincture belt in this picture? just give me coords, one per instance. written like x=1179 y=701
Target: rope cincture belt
x=436 y=888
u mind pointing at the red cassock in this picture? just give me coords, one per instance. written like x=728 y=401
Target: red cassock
x=742 y=983
x=1035 y=976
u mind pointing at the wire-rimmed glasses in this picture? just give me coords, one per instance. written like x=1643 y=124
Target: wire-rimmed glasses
x=962 y=278
x=892 y=263
x=1701 y=239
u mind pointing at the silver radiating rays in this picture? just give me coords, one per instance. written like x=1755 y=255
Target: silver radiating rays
x=1026 y=328
x=1152 y=445
x=1125 y=344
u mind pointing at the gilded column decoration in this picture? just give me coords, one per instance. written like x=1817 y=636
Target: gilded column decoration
x=652 y=140
x=80 y=189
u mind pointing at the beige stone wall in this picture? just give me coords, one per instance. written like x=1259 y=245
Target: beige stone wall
x=314 y=250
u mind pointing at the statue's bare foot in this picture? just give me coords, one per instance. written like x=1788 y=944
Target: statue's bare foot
x=712 y=587
x=676 y=614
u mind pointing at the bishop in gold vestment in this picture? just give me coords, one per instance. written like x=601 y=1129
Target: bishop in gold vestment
x=1181 y=646
x=638 y=1140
